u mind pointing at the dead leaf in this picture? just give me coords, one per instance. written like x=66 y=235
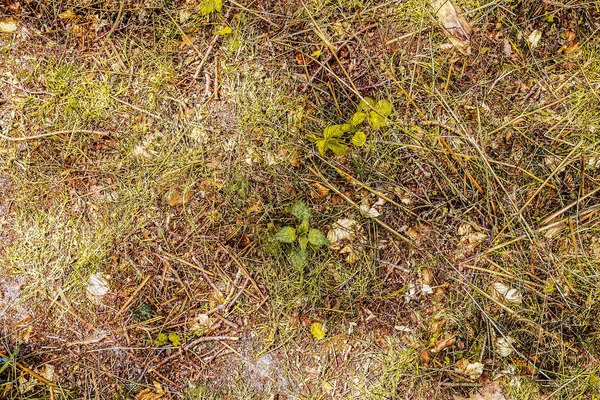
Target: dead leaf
x=573 y=47
x=471 y=370
x=455 y=25
x=504 y=346
x=68 y=15
x=367 y=211
x=98 y=285
x=49 y=372
x=504 y=292
x=156 y=393
x=444 y=342
x=418 y=232
x=342 y=229
x=534 y=38
x=178 y=196
x=472 y=240
x=490 y=391
x=351 y=258
x=8 y=25
x=254 y=208
x=320 y=190
x=12 y=5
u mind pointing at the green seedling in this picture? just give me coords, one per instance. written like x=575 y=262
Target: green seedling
x=376 y=114
x=303 y=234
x=210 y=6
x=173 y=338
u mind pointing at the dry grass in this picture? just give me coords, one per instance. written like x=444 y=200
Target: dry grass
x=140 y=143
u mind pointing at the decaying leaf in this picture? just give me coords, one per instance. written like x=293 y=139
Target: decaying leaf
x=534 y=38
x=178 y=196
x=471 y=370
x=506 y=293
x=342 y=229
x=367 y=211
x=444 y=342
x=68 y=15
x=455 y=25
x=351 y=257
x=472 y=240
x=155 y=393
x=8 y=25
x=201 y=323
x=97 y=285
x=319 y=190
x=504 y=346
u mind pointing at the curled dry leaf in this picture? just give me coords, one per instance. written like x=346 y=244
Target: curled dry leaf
x=351 y=257
x=506 y=293
x=444 y=342
x=455 y=25
x=504 y=346
x=178 y=196
x=367 y=211
x=155 y=393
x=342 y=230
x=471 y=370
x=8 y=25
x=534 y=38
x=98 y=285
x=472 y=240
x=201 y=323
x=319 y=190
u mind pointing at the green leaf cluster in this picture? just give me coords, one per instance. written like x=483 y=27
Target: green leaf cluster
x=303 y=234
x=210 y=6
x=376 y=114
x=173 y=338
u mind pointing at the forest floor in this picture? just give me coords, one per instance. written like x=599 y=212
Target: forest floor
x=303 y=199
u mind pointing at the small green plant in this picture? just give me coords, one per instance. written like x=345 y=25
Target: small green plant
x=305 y=236
x=210 y=6
x=376 y=113
x=173 y=338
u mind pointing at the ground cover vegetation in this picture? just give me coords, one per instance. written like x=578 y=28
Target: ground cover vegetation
x=338 y=199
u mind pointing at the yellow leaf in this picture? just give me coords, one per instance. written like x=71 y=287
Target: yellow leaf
x=359 y=139
x=8 y=26
x=225 y=31
x=69 y=14
x=178 y=196
x=317 y=330
x=209 y=6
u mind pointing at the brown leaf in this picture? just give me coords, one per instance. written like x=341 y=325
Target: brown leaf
x=455 y=25
x=178 y=196
x=156 y=393
x=320 y=190
x=573 y=47
x=12 y=5
x=444 y=342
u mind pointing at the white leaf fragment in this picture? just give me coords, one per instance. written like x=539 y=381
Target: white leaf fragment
x=342 y=229
x=8 y=26
x=504 y=346
x=472 y=370
x=98 y=285
x=534 y=38
x=511 y=295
